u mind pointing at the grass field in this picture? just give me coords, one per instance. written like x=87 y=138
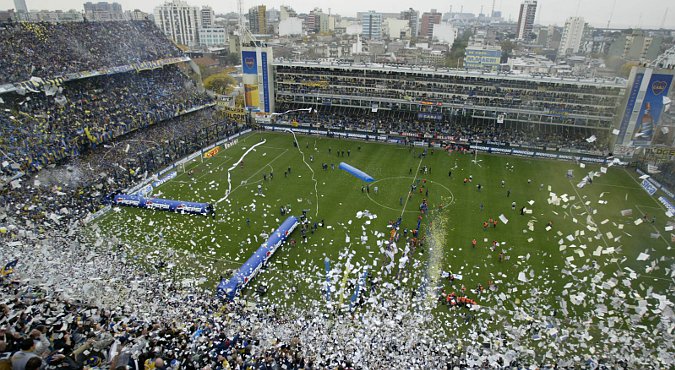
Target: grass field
x=585 y=267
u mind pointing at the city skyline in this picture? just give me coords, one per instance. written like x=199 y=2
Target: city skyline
x=650 y=14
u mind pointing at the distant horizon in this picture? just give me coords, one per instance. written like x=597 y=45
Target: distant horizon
x=651 y=14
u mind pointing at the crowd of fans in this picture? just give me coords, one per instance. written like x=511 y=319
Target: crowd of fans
x=77 y=187
x=454 y=128
x=40 y=129
x=535 y=95
x=50 y=50
x=90 y=137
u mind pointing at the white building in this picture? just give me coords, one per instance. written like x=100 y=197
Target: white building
x=286 y=12
x=212 y=36
x=290 y=26
x=51 y=16
x=136 y=15
x=445 y=32
x=571 y=36
x=396 y=28
x=20 y=6
x=179 y=21
x=529 y=65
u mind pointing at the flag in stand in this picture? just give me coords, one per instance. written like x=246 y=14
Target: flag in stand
x=9 y=268
x=652 y=169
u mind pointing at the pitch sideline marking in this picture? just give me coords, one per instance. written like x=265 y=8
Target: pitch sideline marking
x=316 y=183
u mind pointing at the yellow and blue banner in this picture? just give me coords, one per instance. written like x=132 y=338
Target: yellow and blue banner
x=9 y=267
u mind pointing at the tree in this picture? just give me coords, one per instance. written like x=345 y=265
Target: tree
x=507 y=50
x=457 y=50
x=220 y=83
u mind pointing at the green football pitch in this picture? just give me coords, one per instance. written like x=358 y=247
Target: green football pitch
x=571 y=253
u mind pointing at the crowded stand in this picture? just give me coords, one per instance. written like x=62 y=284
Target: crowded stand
x=550 y=95
x=81 y=182
x=118 y=308
x=451 y=129
x=49 y=50
x=37 y=130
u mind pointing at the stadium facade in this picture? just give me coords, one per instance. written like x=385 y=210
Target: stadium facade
x=460 y=96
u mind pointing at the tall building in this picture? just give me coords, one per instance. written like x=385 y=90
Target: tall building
x=320 y=22
x=313 y=20
x=286 y=12
x=273 y=16
x=571 y=36
x=103 y=12
x=413 y=18
x=637 y=46
x=429 y=19
x=371 y=25
x=445 y=33
x=20 y=6
x=179 y=21
x=290 y=27
x=136 y=15
x=51 y=16
x=257 y=19
x=212 y=36
x=528 y=10
x=208 y=16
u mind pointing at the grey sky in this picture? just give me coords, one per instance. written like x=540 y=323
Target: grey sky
x=627 y=13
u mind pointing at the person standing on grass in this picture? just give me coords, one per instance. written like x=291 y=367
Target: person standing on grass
x=289 y=170
x=473 y=243
x=248 y=221
x=513 y=206
x=508 y=193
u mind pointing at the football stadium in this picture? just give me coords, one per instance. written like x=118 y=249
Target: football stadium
x=358 y=215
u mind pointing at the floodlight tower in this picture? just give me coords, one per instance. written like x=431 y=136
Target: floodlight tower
x=243 y=30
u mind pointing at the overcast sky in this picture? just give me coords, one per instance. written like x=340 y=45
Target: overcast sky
x=627 y=13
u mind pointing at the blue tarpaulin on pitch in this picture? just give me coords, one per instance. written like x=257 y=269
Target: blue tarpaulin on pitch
x=356 y=172
x=228 y=288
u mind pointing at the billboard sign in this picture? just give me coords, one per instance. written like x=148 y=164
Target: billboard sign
x=265 y=77
x=651 y=109
x=478 y=58
x=249 y=68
